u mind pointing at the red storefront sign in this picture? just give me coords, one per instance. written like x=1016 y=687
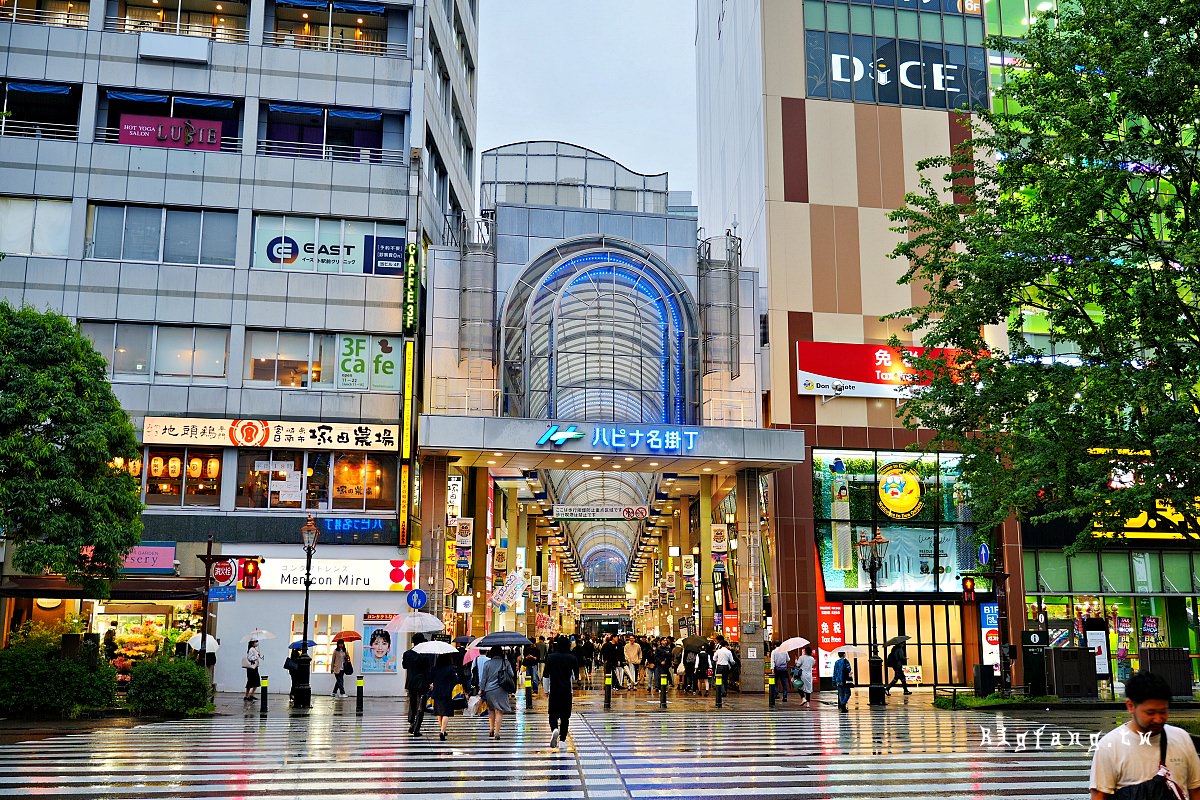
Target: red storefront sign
x=858 y=370
x=179 y=132
x=831 y=634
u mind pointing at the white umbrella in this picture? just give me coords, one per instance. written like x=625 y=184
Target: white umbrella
x=416 y=622
x=794 y=643
x=256 y=635
x=210 y=646
x=852 y=649
x=435 y=648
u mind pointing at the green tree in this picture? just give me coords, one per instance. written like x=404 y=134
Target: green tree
x=63 y=505
x=1071 y=214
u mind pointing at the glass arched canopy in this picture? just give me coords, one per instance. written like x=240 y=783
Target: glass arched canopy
x=599 y=329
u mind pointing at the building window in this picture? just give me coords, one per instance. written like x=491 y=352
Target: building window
x=40 y=110
x=362 y=247
x=63 y=13
x=189 y=122
x=163 y=235
x=293 y=479
x=31 y=227
x=343 y=361
x=188 y=476
x=224 y=21
x=171 y=354
x=342 y=27
x=337 y=134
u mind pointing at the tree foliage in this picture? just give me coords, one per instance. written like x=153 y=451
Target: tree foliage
x=1076 y=214
x=62 y=504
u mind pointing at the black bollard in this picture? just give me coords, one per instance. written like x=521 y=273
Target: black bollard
x=771 y=689
x=262 y=698
x=607 y=690
x=662 y=690
x=720 y=688
x=358 y=698
x=528 y=692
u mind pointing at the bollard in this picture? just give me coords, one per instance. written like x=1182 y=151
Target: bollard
x=262 y=698
x=720 y=688
x=528 y=692
x=662 y=685
x=771 y=689
x=358 y=698
x=607 y=690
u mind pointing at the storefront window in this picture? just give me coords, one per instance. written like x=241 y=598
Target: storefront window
x=348 y=474
x=317 y=487
x=1029 y=561
x=1115 y=567
x=321 y=630
x=172 y=354
x=291 y=360
x=1177 y=572
x=1085 y=573
x=291 y=478
x=1147 y=572
x=1052 y=571
x=190 y=476
x=164 y=486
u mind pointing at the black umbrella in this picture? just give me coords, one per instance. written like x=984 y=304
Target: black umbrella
x=694 y=643
x=504 y=639
x=464 y=639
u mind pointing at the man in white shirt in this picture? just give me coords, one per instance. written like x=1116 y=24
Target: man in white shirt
x=780 y=661
x=633 y=657
x=723 y=661
x=1132 y=753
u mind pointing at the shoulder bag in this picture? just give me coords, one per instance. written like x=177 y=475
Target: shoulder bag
x=347 y=666
x=508 y=681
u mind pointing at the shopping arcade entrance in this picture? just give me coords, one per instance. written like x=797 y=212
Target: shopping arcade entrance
x=672 y=496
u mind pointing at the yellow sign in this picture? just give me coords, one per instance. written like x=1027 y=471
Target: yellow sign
x=407 y=432
x=899 y=491
x=404 y=489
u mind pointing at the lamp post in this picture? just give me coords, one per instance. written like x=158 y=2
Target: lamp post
x=871 y=553
x=302 y=691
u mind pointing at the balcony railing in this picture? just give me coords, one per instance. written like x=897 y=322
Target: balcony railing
x=218 y=33
x=37 y=16
x=310 y=42
x=38 y=130
x=332 y=152
x=229 y=144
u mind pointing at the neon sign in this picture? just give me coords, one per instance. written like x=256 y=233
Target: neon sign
x=625 y=437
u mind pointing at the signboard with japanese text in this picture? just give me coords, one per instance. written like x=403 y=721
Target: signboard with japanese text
x=645 y=439
x=270 y=433
x=856 y=370
x=989 y=623
x=178 y=132
x=689 y=565
x=831 y=635
x=368 y=362
x=147 y=558
x=329 y=574
x=454 y=493
x=380 y=651
x=720 y=540
x=610 y=513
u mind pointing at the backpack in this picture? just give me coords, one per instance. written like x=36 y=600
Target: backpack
x=690 y=659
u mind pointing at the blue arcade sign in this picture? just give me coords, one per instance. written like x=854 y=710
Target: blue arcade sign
x=647 y=439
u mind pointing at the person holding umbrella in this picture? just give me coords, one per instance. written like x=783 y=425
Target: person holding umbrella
x=250 y=662
x=562 y=670
x=417 y=668
x=497 y=681
x=804 y=666
x=442 y=682
x=896 y=660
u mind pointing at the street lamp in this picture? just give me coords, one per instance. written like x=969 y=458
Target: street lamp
x=302 y=691
x=871 y=553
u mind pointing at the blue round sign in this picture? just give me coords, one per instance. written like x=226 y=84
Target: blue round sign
x=417 y=599
x=985 y=553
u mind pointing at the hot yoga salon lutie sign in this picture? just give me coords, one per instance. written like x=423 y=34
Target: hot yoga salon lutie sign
x=178 y=132
x=857 y=370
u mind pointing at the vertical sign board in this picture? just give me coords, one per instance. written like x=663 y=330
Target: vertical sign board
x=989 y=622
x=1095 y=632
x=412 y=291
x=831 y=635
x=454 y=491
x=406 y=436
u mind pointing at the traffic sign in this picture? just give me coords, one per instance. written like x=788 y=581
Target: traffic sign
x=222 y=594
x=417 y=599
x=985 y=553
x=224 y=572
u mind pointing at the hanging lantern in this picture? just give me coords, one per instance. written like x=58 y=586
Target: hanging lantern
x=213 y=468
x=135 y=467
x=156 y=466
x=195 y=466
x=175 y=466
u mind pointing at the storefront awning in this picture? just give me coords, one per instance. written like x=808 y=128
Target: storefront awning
x=171 y=588
x=40 y=88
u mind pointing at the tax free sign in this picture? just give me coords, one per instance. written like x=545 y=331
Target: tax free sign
x=368 y=362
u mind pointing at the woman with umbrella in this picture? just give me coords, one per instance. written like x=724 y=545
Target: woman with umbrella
x=494 y=683
x=250 y=663
x=441 y=688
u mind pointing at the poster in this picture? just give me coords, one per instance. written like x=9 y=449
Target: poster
x=913 y=562
x=379 y=655
x=989 y=623
x=1097 y=642
x=831 y=636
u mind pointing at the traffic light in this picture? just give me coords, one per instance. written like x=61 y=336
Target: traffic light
x=968 y=590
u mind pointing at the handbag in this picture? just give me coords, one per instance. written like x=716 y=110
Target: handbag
x=248 y=663
x=1161 y=787
x=458 y=697
x=347 y=666
x=508 y=681
x=473 y=705
x=681 y=669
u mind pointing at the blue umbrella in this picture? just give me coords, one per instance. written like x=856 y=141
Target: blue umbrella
x=300 y=644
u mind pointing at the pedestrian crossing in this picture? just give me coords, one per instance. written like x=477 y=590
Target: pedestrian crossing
x=632 y=751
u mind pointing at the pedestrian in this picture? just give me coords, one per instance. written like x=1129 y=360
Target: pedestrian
x=704 y=669
x=610 y=655
x=529 y=664
x=543 y=650
x=561 y=670
x=497 y=682
x=585 y=651
x=250 y=662
x=110 y=641
x=633 y=657
x=723 y=662
x=689 y=670
x=1146 y=749
x=292 y=665
x=843 y=679
x=338 y=667
x=780 y=661
x=896 y=660
x=442 y=682
x=805 y=664
x=417 y=668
